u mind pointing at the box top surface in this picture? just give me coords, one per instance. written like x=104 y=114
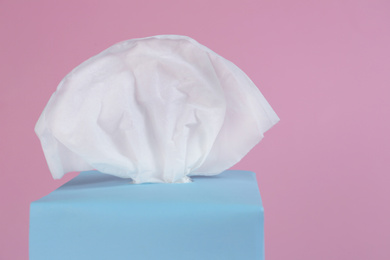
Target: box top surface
x=232 y=187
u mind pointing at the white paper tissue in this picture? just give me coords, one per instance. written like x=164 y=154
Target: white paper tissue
x=156 y=109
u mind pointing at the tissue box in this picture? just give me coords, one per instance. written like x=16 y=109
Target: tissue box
x=98 y=216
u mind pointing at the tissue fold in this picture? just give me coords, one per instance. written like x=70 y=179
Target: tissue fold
x=156 y=109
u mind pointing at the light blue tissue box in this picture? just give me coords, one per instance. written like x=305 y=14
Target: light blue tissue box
x=98 y=216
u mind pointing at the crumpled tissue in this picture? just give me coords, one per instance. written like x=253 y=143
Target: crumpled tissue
x=156 y=109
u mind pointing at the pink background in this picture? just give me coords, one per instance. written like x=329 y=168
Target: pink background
x=324 y=66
